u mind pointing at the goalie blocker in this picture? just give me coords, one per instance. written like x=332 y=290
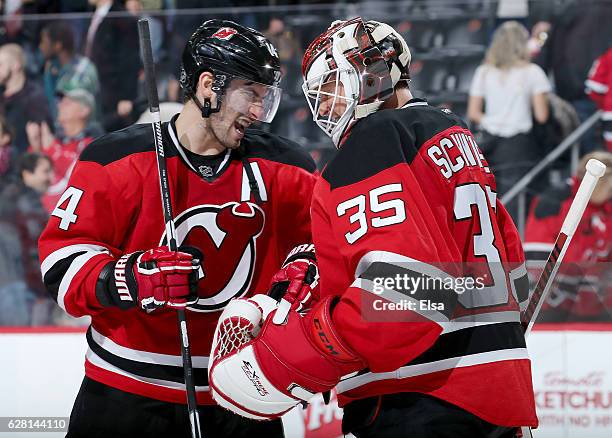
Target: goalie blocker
x=266 y=378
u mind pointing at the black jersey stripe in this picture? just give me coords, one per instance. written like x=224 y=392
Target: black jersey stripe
x=144 y=369
x=472 y=340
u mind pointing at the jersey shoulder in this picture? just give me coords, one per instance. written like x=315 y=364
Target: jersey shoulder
x=386 y=138
x=117 y=145
x=261 y=144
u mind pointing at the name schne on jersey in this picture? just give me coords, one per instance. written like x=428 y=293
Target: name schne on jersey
x=453 y=150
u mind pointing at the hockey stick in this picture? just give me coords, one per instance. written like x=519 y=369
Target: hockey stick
x=594 y=170
x=151 y=88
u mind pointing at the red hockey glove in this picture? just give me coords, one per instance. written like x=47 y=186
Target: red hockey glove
x=296 y=285
x=152 y=279
x=263 y=373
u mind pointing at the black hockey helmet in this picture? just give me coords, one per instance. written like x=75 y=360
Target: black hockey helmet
x=228 y=50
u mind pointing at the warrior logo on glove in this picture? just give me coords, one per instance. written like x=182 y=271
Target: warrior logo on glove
x=152 y=279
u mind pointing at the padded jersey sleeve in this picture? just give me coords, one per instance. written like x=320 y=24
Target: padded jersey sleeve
x=85 y=232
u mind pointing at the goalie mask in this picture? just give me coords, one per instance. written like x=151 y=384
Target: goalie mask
x=350 y=70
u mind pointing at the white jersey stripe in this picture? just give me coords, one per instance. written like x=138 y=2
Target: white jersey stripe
x=67 y=251
x=72 y=271
x=432 y=367
x=144 y=356
x=538 y=246
x=597 y=87
x=399 y=260
x=94 y=359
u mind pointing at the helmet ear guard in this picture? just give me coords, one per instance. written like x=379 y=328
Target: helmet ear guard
x=219 y=85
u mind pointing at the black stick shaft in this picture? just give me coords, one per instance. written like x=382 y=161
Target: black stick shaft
x=151 y=87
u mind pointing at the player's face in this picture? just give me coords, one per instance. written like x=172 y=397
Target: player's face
x=332 y=100
x=242 y=105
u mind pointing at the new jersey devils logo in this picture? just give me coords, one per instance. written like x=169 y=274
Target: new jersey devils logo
x=225 y=33
x=226 y=236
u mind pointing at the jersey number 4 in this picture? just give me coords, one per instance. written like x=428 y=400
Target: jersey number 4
x=71 y=198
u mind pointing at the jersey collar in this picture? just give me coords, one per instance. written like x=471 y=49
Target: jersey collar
x=415 y=102
x=181 y=150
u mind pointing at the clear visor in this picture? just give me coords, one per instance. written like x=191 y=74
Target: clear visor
x=254 y=100
x=328 y=101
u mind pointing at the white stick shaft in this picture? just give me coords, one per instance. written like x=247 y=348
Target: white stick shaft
x=594 y=170
x=583 y=195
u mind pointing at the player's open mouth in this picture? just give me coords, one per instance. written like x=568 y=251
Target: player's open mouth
x=239 y=127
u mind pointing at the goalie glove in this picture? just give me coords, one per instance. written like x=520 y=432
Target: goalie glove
x=296 y=285
x=151 y=279
x=261 y=370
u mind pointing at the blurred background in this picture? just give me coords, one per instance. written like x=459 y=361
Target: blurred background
x=532 y=78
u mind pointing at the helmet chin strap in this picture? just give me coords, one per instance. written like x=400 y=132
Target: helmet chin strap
x=206 y=108
x=218 y=86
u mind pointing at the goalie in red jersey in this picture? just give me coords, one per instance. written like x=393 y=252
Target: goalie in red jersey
x=408 y=201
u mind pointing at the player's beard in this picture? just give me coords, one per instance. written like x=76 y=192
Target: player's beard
x=222 y=132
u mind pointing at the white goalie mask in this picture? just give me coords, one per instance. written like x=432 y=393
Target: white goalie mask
x=350 y=70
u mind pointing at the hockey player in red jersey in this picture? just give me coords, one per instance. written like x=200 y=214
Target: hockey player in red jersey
x=241 y=198
x=409 y=198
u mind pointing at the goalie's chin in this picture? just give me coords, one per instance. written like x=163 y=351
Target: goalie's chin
x=236 y=381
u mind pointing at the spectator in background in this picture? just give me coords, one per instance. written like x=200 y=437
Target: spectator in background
x=112 y=44
x=283 y=40
x=582 y=289
x=64 y=70
x=74 y=111
x=599 y=89
x=21 y=99
x=507 y=91
x=22 y=219
x=7 y=154
x=579 y=35
x=290 y=55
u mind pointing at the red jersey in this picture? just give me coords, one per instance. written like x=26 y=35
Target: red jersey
x=599 y=88
x=409 y=191
x=581 y=290
x=112 y=206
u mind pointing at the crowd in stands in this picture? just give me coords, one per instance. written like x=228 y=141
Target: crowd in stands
x=524 y=74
